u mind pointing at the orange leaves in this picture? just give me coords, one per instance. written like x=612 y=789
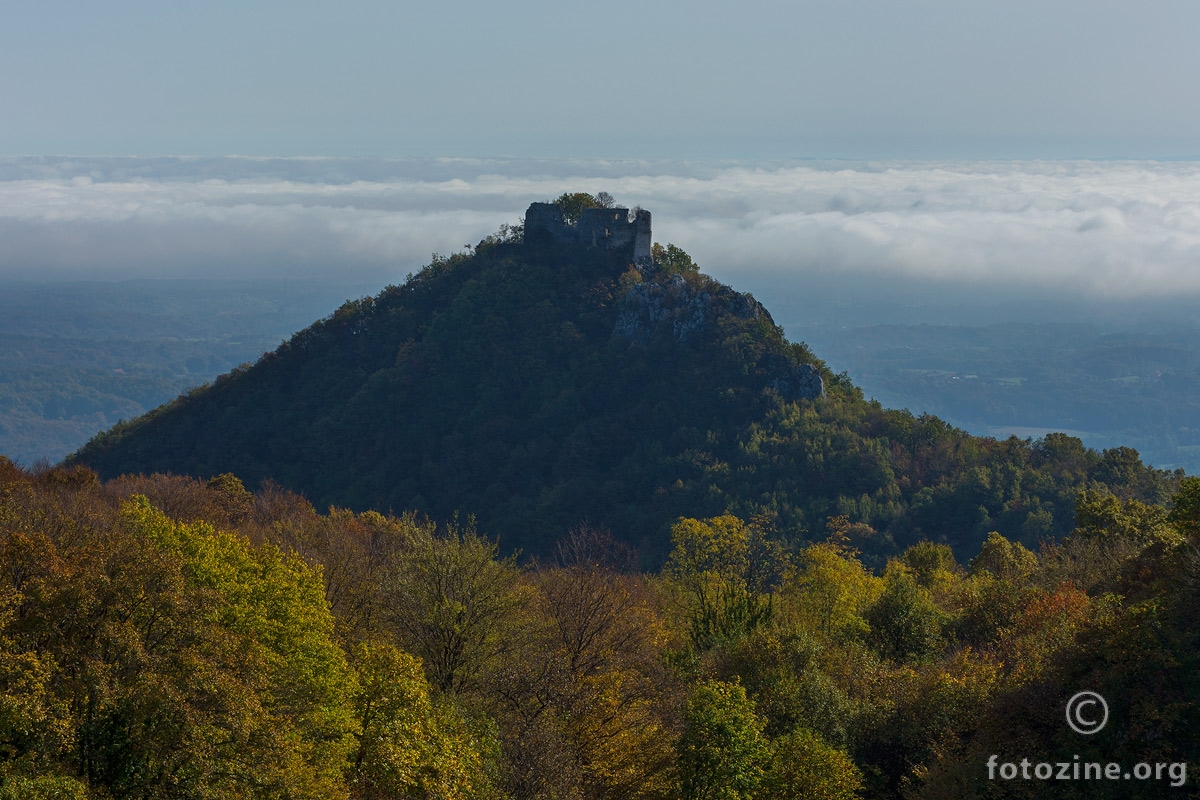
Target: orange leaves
x=1047 y=624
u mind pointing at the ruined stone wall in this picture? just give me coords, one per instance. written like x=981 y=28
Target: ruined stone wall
x=642 y=237
x=606 y=227
x=544 y=222
x=609 y=228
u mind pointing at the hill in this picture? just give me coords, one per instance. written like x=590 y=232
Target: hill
x=561 y=375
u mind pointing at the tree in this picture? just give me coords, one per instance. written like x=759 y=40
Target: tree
x=930 y=562
x=1101 y=515
x=1185 y=508
x=803 y=766
x=155 y=658
x=711 y=558
x=829 y=592
x=36 y=727
x=673 y=260
x=726 y=611
x=722 y=751
x=574 y=203
x=719 y=547
x=453 y=603
x=905 y=624
x=408 y=747
x=1004 y=559
x=782 y=674
x=282 y=664
x=581 y=700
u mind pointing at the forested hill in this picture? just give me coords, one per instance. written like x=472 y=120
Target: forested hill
x=537 y=386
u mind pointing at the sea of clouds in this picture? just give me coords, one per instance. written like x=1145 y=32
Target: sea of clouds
x=1096 y=229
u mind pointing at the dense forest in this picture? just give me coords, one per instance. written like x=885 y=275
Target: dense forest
x=167 y=637
x=509 y=384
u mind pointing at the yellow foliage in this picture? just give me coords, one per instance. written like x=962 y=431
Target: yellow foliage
x=718 y=546
x=408 y=747
x=828 y=592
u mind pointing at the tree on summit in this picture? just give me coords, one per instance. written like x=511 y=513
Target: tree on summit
x=573 y=204
x=673 y=260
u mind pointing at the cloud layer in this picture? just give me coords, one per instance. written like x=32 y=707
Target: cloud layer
x=1102 y=229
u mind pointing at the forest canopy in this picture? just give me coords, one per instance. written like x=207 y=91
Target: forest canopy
x=167 y=637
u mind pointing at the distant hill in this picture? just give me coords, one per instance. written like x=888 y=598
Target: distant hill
x=550 y=379
x=1139 y=388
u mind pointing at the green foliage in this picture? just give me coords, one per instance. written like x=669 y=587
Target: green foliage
x=43 y=788
x=201 y=653
x=274 y=606
x=408 y=747
x=719 y=547
x=151 y=658
x=829 y=593
x=725 y=612
x=804 y=766
x=712 y=559
x=1185 y=508
x=672 y=260
x=905 y=624
x=929 y=562
x=573 y=204
x=722 y=751
x=452 y=602
x=1101 y=515
x=1003 y=559
x=35 y=726
x=783 y=674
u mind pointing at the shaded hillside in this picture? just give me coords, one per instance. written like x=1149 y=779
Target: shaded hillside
x=539 y=385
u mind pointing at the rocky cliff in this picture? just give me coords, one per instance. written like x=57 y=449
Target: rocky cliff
x=678 y=309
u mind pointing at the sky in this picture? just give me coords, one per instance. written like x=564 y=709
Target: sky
x=1046 y=153
x=891 y=79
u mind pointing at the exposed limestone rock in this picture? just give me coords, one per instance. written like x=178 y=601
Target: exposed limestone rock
x=652 y=308
x=679 y=310
x=794 y=381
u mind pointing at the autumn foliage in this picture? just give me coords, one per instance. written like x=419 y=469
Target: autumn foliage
x=166 y=637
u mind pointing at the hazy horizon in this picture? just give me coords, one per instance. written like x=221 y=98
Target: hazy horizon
x=884 y=241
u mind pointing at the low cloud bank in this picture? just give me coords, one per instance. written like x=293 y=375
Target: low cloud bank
x=1097 y=229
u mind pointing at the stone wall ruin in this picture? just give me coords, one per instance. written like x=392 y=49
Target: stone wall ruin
x=607 y=228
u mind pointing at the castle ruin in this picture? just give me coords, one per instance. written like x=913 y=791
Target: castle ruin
x=608 y=228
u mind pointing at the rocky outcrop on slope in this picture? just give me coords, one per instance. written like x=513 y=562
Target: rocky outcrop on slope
x=680 y=310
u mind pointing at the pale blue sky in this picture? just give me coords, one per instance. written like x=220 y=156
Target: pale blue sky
x=851 y=78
